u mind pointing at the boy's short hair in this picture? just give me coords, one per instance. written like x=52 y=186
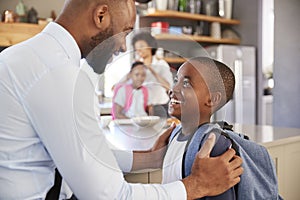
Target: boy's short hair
x=218 y=77
x=148 y=38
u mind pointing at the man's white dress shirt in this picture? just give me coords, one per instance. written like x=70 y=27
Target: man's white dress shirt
x=47 y=120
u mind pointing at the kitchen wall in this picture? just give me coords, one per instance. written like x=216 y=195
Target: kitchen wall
x=287 y=64
x=286 y=112
x=249 y=30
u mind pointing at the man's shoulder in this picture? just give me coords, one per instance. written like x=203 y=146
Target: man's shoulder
x=19 y=49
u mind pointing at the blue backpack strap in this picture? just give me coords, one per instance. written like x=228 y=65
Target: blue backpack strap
x=224 y=125
x=194 y=145
x=222 y=144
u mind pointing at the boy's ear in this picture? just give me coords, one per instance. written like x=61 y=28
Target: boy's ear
x=101 y=17
x=215 y=99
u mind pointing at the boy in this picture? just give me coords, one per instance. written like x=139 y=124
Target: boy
x=201 y=87
x=131 y=99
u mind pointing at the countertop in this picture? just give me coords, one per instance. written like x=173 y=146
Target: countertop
x=266 y=134
x=131 y=137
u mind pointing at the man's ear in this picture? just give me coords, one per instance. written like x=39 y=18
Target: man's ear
x=102 y=17
x=215 y=99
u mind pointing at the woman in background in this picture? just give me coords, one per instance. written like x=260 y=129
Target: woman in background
x=159 y=78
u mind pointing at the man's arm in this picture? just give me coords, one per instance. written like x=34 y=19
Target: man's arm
x=153 y=158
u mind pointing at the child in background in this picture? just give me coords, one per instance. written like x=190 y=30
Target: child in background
x=131 y=99
x=202 y=86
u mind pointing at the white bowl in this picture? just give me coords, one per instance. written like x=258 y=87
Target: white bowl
x=145 y=121
x=105 y=120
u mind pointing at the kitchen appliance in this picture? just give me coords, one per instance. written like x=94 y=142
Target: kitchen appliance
x=242 y=61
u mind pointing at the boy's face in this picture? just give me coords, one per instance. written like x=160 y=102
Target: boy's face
x=138 y=76
x=189 y=94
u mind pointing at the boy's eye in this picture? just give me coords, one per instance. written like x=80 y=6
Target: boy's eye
x=186 y=83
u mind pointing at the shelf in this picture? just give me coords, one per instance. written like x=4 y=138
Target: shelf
x=13 y=33
x=207 y=39
x=190 y=16
x=174 y=60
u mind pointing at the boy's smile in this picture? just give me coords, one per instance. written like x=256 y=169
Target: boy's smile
x=174 y=106
x=174 y=101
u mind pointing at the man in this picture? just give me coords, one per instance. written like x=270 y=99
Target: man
x=47 y=118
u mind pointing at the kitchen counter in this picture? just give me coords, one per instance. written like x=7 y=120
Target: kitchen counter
x=266 y=134
x=130 y=137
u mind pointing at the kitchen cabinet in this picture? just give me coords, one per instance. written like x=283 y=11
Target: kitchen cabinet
x=286 y=156
x=13 y=33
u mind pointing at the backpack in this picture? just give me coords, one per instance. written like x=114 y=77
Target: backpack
x=128 y=97
x=259 y=180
